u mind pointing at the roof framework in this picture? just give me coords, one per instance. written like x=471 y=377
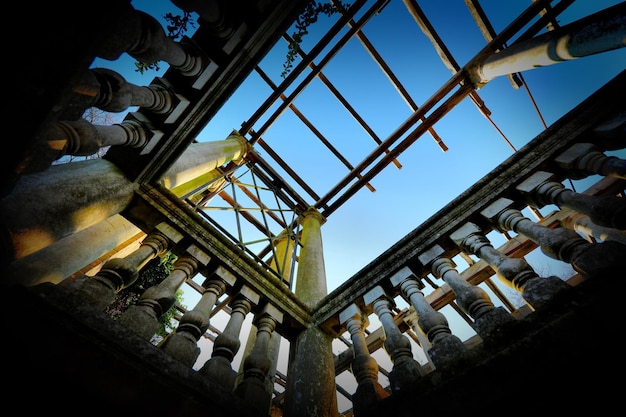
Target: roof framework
x=267 y=192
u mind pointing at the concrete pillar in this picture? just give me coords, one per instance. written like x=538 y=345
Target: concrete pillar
x=201 y=158
x=47 y=206
x=58 y=261
x=210 y=181
x=311 y=390
x=65 y=199
x=311 y=278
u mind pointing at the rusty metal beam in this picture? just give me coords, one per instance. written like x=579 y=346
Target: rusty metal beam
x=343 y=100
x=311 y=127
x=442 y=50
x=295 y=73
x=394 y=80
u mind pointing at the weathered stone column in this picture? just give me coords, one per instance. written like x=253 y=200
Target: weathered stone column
x=364 y=367
x=47 y=206
x=226 y=345
x=182 y=343
x=201 y=158
x=311 y=390
x=57 y=261
x=490 y=322
x=282 y=261
x=67 y=198
x=143 y=317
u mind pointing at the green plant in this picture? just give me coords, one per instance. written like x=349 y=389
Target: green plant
x=176 y=29
x=178 y=26
x=308 y=16
x=152 y=274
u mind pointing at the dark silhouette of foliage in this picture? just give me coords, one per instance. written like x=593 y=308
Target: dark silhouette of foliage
x=178 y=26
x=176 y=29
x=308 y=17
x=151 y=274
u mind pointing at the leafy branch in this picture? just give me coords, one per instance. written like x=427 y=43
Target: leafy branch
x=178 y=26
x=152 y=274
x=176 y=29
x=308 y=16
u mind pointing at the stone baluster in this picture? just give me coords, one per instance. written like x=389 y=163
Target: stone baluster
x=364 y=367
x=81 y=138
x=115 y=94
x=513 y=272
x=119 y=273
x=559 y=243
x=445 y=346
x=583 y=159
x=227 y=343
x=142 y=37
x=143 y=317
x=406 y=370
x=257 y=364
x=582 y=224
x=109 y=91
x=182 y=343
x=541 y=188
x=490 y=322
x=214 y=15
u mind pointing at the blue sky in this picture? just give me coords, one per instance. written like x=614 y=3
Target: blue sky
x=369 y=223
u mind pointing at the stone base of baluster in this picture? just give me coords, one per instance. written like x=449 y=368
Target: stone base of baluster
x=494 y=325
x=96 y=292
x=141 y=319
x=182 y=346
x=406 y=371
x=219 y=369
x=540 y=291
x=367 y=395
x=447 y=351
x=601 y=259
x=253 y=392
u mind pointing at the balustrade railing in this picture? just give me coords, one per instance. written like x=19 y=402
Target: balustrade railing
x=391 y=314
